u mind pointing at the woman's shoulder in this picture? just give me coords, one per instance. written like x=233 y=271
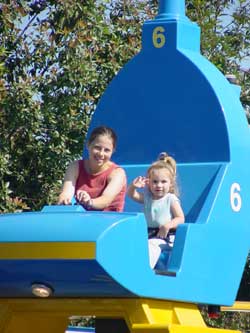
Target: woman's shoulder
x=116 y=169
x=75 y=164
x=113 y=166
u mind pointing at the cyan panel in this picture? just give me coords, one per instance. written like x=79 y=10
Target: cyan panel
x=167 y=98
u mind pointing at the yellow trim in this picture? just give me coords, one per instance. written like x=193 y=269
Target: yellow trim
x=48 y=250
x=141 y=315
x=237 y=306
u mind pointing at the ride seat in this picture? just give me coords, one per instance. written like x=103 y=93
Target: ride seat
x=198 y=184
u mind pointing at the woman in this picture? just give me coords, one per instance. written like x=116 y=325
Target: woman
x=97 y=183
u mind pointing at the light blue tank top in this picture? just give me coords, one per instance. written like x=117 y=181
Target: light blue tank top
x=158 y=212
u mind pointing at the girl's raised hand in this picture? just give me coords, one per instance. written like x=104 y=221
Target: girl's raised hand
x=140 y=182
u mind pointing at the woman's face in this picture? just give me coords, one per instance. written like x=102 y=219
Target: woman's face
x=100 y=150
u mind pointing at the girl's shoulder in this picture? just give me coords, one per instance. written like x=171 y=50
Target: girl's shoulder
x=172 y=197
x=147 y=195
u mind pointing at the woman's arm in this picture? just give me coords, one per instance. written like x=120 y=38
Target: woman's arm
x=116 y=181
x=132 y=192
x=69 y=184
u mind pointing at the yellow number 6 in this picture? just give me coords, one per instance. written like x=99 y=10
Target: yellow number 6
x=158 y=37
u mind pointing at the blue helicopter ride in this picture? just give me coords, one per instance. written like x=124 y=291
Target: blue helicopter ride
x=167 y=98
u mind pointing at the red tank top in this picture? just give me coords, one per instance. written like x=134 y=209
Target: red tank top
x=96 y=184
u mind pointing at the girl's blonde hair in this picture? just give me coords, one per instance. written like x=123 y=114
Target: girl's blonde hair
x=167 y=162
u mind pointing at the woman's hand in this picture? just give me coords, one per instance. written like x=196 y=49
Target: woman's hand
x=64 y=199
x=83 y=197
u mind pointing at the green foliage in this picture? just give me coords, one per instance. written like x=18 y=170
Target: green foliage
x=244 y=289
x=56 y=59
x=228 y=320
x=225 y=37
x=80 y=321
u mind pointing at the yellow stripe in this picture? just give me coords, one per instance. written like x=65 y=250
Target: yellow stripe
x=48 y=250
x=237 y=306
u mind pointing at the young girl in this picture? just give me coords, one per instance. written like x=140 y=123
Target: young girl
x=162 y=207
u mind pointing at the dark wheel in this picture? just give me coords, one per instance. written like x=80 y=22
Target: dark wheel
x=111 y=326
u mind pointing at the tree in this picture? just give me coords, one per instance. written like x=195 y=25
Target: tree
x=225 y=37
x=58 y=57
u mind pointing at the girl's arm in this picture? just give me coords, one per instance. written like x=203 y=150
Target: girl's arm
x=69 y=183
x=178 y=218
x=178 y=215
x=132 y=192
x=116 y=181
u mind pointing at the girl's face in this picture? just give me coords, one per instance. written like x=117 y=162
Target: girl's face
x=100 y=150
x=159 y=183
